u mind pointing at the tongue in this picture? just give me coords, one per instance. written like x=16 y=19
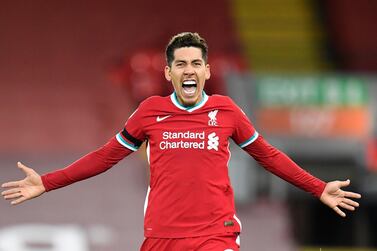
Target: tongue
x=189 y=89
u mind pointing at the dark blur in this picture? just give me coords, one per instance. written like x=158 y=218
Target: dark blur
x=71 y=72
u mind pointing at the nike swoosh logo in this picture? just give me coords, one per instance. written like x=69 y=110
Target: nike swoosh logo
x=159 y=119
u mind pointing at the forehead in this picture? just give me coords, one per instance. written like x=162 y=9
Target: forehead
x=188 y=53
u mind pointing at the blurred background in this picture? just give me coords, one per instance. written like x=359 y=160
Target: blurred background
x=71 y=72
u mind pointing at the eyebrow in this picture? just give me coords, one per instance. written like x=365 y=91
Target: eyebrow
x=185 y=61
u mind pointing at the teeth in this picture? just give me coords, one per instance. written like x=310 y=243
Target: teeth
x=189 y=82
x=189 y=87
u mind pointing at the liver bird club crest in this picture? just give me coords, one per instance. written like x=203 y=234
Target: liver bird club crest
x=212 y=118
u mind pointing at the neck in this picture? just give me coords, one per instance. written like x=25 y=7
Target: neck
x=200 y=98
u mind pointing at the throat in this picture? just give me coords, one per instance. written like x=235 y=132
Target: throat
x=189 y=101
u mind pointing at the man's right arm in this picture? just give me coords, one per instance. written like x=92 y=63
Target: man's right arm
x=34 y=185
x=94 y=163
x=88 y=166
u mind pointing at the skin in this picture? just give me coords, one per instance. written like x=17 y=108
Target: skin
x=188 y=64
x=28 y=188
x=336 y=198
x=31 y=187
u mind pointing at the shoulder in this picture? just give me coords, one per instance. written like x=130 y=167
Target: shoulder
x=149 y=106
x=223 y=100
x=227 y=103
x=153 y=101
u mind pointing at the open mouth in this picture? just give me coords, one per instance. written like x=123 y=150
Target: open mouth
x=189 y=87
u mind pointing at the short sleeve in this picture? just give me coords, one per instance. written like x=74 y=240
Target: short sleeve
x=132 y=135
x=244 y=132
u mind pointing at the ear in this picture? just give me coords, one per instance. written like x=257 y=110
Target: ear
x=167 y=73
x=208 y=71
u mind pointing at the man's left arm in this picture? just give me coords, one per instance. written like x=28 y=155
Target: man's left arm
x=281 y=165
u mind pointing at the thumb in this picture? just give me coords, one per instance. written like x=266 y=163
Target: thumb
x=345 y=183
x=24 y=168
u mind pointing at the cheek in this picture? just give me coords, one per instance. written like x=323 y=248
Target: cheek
x=176 y=83
x=175 y=75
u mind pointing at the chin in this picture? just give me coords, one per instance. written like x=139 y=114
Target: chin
x=189 y=103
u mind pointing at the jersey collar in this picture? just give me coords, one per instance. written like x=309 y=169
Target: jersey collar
x=202 y=102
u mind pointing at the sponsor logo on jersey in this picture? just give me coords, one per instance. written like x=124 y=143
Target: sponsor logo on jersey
x=188 y=139
x=213 y=142
x=212 y=118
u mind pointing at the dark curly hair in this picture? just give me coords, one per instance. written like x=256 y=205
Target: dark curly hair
x=186 y=39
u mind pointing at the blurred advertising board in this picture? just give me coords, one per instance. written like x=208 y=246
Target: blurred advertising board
x=313 y=106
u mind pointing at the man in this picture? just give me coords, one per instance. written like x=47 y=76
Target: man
x=190 y=204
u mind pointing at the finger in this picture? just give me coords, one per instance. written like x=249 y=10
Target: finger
x=10 y=191
x=18 y=201
x=345 y=183
x=24 y=168
x=351 y=202
x=346 y=206
x=352 y=195
x=12 y=196
x=11 y=184
x=340 y=212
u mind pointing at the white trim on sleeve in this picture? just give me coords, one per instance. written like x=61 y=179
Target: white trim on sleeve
x=125 y=143
x=250 y=140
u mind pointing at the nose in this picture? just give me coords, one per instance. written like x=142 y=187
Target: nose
x=189 y=70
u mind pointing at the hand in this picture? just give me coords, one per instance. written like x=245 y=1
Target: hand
x=334 y=197
x=26 y=189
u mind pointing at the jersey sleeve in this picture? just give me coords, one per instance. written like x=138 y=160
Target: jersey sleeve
x=282 y=166
x=125 y=142
x=132 y=135
x=269 y=157
x=244 y=132
x=88 y=166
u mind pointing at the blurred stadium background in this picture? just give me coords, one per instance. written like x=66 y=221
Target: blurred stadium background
x=305 y=71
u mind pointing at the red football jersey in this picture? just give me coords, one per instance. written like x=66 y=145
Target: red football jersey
x=188 y=150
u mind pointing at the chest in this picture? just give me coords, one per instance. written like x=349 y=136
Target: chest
x=207 y=129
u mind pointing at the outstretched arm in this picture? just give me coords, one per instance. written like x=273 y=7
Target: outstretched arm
x=26 y=189
x=334 y=197
x=88 y=166
x=281 y=165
